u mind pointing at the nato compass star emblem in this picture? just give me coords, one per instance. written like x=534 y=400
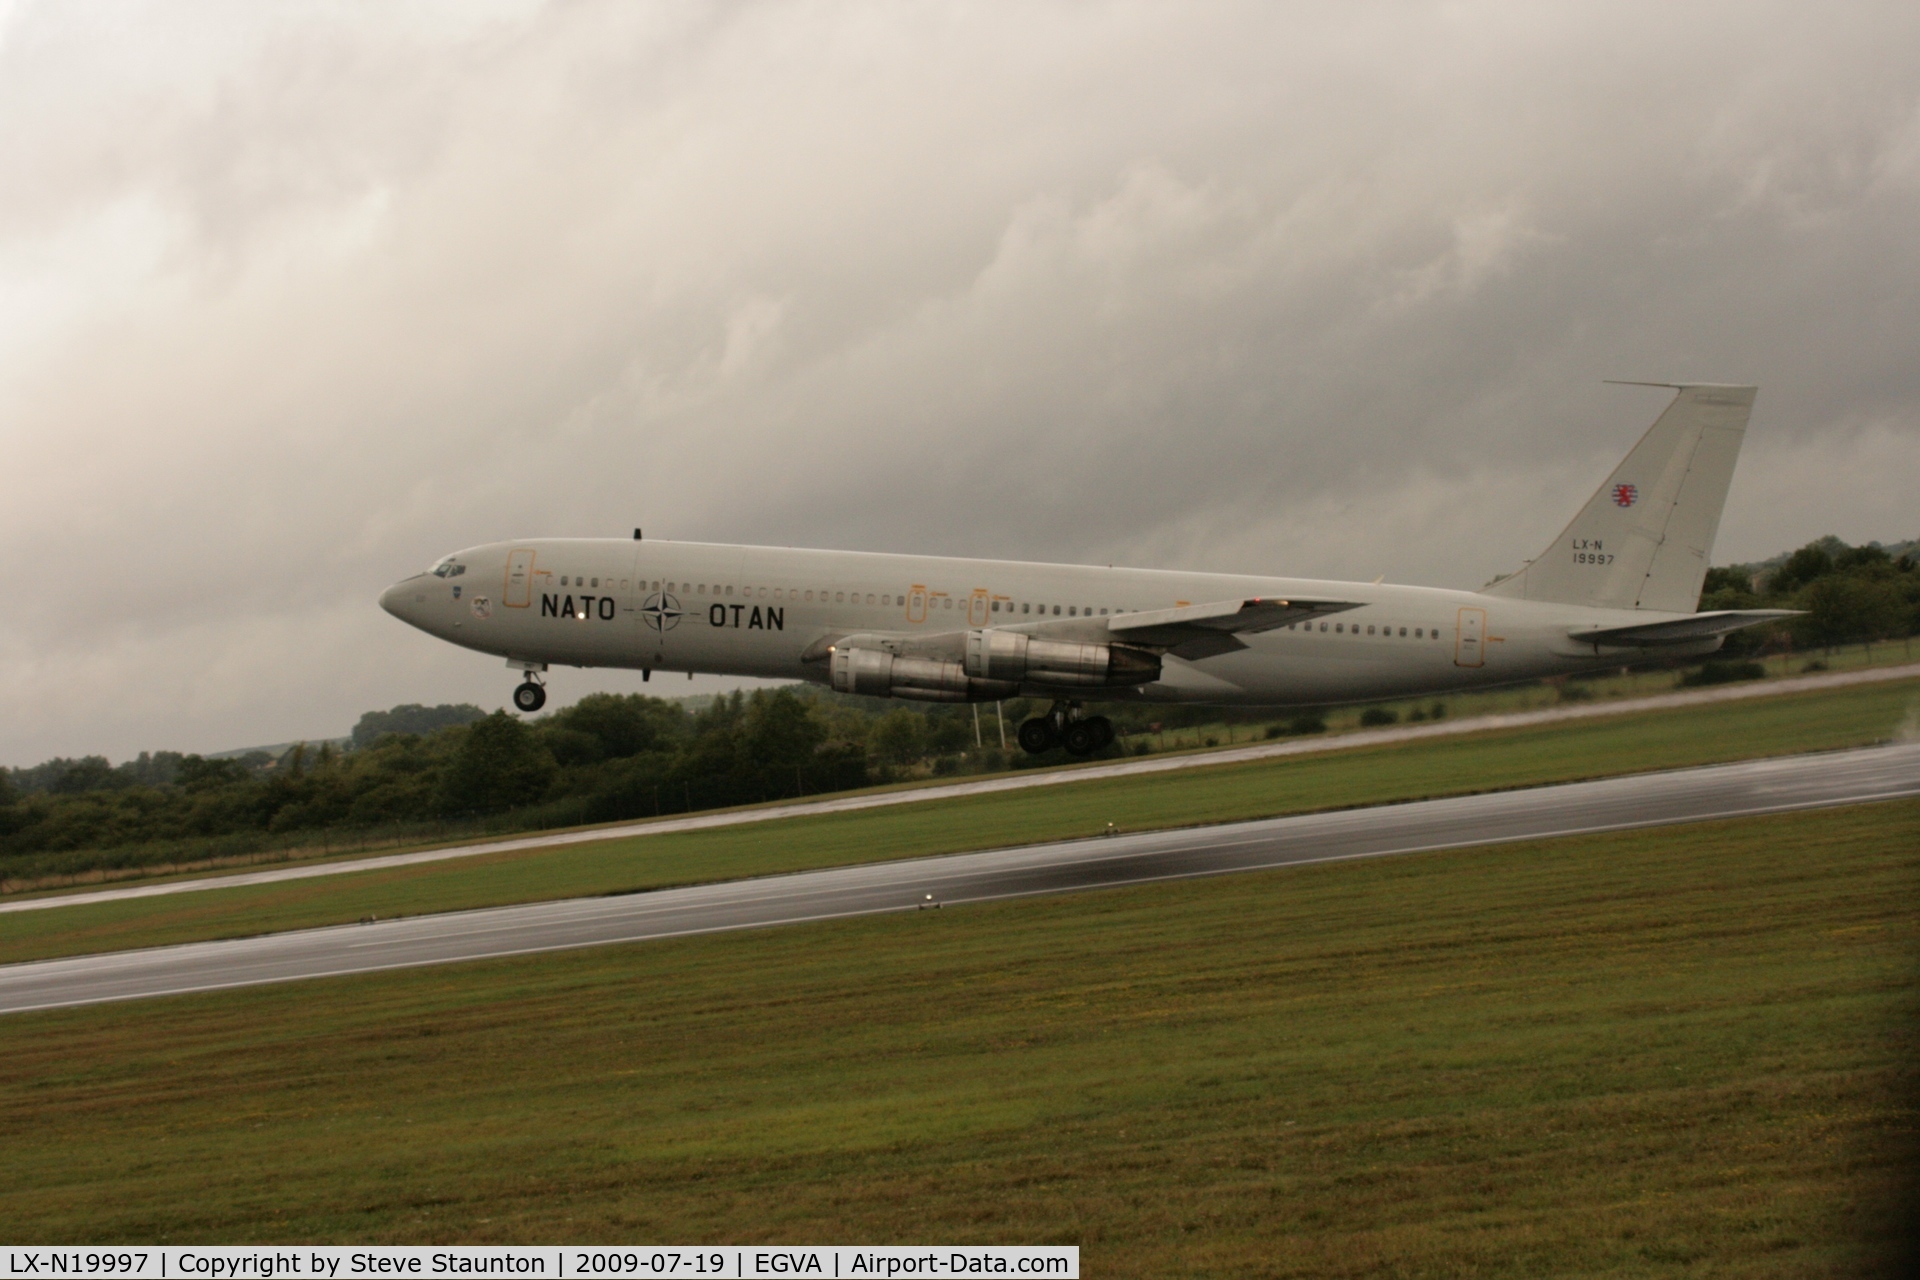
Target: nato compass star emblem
x=661 y=611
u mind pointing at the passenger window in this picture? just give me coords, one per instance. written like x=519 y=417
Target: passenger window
x=1339 y=627
x=1056 y=611
x=840 y=597
x=596 y=582
x=1369 y=628
x=887 y=598
x=996 y=606
x=1025 y=608
x=1103 y=613
x=1403 y=633
x=947 y=603
x=563 y=579
x=1071 y=612
x=1323 y=626
x=869 y=597
x=809 y=595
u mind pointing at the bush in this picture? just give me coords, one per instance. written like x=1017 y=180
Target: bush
x=1373 y=716
x=1723 y=673
x=898 y=738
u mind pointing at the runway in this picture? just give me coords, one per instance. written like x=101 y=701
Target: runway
x=1655 y=799
x=1017 y=781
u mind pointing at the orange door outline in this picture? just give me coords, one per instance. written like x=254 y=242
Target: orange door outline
x=977 y=608
x=917 y=604
x=1469 y=640
x=519 y=590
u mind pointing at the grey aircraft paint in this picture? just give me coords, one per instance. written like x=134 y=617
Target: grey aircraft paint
x=1620 y=582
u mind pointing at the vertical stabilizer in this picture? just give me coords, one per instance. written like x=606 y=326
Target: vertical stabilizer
x=1642 y=541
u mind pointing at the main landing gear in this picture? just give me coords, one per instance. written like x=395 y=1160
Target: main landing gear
x=1063 y=726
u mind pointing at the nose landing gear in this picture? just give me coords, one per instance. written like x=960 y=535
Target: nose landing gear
x=532 y=694
x=1063 y=726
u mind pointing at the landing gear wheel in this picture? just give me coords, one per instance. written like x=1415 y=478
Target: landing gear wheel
x=1102 y=730
x=1081 y=738
x=530 y=697
x=1036 y=735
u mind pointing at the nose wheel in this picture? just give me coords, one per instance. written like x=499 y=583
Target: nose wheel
x=529 y=697
x=1063 y=726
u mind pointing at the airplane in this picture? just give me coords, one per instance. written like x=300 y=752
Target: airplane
x=1620 y=584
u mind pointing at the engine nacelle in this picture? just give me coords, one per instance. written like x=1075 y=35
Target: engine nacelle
x=1014 y=656
x=881 y=674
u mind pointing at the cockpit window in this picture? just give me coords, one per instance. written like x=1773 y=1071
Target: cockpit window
x=448 y=568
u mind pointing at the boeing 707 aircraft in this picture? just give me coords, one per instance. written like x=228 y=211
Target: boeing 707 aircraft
x=1620 y=583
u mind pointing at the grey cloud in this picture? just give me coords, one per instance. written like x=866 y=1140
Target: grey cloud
x=292 y=302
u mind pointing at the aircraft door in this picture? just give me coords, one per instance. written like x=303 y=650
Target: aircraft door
x=977 y=608
x=519 y=588
x=917 y=604
x=1469 y=644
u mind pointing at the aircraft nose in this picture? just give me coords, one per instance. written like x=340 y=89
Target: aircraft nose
x=403 y=598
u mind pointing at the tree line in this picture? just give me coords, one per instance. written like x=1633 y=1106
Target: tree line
x=1849 y=595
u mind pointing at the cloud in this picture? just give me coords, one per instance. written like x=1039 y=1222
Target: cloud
x=294 y=299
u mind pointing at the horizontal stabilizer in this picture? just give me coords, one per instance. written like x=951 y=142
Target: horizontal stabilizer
x=1699 y=626
x=1203 y=630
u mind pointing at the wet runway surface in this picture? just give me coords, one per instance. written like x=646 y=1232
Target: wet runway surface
x=1689 y=795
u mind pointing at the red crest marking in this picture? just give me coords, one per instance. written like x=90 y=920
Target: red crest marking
x=1625 y=495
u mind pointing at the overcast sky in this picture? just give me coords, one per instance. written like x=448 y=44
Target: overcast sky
x=293 y=299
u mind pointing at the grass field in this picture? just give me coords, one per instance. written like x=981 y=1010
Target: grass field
x=1684 y=1051
x=1489 y=761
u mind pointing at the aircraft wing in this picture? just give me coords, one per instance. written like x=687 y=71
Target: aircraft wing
x=1699 y=626
x=1204 y=630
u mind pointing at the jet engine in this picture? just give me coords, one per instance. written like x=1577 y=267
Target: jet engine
x=993 y=654
x=880 y=673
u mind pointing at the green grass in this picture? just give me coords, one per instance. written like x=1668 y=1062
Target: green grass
x=1674 y=1052
x=1479 y=762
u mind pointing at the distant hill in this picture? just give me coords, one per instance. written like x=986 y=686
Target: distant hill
x=412 y=717
x=278 y=749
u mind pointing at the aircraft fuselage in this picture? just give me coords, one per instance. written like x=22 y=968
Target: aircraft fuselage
x=774 y=612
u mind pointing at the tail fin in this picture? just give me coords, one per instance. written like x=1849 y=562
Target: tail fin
x=1642 y=541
